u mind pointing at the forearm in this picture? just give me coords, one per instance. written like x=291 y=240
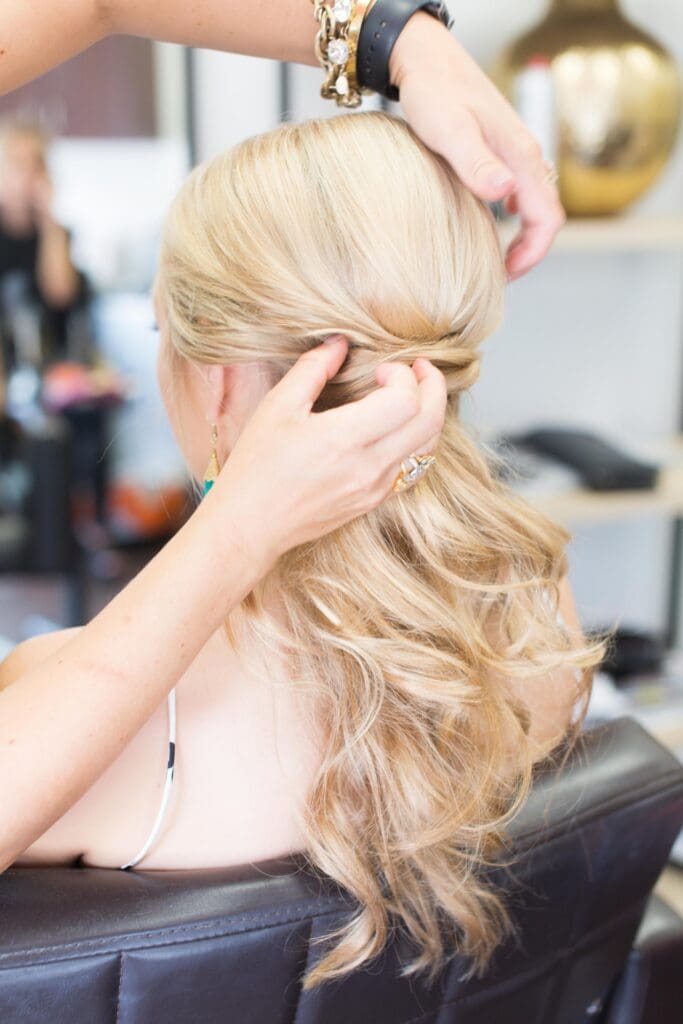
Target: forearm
x=55 y=273
x=35 y=36
x=280 y=29
x=65 y=721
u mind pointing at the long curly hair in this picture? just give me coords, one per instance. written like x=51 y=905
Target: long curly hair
x=415 y=631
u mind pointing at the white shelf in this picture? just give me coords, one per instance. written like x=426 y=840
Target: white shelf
x=581 y=506
x=614 y=234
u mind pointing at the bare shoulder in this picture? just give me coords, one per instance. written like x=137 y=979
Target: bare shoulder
x=550 y=700
x=30 y=653
x=553 y=699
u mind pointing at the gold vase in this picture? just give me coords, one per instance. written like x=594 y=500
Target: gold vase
x=617 y=96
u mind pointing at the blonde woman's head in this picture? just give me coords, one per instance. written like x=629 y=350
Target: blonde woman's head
x=417 y=634
x=347 y=224
x=23 y=163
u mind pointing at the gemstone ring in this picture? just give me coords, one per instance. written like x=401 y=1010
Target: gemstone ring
x=412 y=469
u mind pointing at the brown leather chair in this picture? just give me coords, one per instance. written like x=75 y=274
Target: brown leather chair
x=96 y=946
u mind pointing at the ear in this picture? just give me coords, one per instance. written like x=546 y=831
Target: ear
x=231 y=394
x=220 y=381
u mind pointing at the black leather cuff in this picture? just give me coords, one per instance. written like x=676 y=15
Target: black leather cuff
x=381 y=27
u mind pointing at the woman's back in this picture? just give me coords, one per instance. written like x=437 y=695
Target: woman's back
x=246 y=755
x=245 y=758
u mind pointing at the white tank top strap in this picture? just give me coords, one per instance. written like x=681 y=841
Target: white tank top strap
x=166 y=795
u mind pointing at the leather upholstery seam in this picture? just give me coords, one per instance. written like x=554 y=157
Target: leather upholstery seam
x=118 y=989
x=674 y=779
x=98 y=947
x=535 y=972
x=302 y=974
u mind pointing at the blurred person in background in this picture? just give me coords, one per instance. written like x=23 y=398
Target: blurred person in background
x=36 y=267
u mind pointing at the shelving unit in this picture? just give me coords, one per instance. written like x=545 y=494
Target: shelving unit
x=582 y=506
x=579 y=506
x=614 y=234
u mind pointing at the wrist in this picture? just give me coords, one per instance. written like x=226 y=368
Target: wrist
x=413 y=48
x=240 y=532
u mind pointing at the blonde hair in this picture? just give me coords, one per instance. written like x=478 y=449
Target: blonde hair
x=407 y=624
x=24 y=128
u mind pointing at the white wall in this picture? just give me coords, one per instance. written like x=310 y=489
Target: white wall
x=237 y=97
x=113 y=194
x=592 y=340
x=170 y=89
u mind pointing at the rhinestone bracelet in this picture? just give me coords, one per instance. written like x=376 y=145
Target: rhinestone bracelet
x=336 y=46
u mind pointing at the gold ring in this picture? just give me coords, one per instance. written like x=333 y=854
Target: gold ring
x=551 y=172
x=413 y=469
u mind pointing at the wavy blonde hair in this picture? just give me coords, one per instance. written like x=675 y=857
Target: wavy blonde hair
x=411 y=625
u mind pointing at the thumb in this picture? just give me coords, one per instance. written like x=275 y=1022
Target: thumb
x=302 y=384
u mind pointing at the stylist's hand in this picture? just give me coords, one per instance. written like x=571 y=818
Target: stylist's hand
x=297 y=474
x=458 y=112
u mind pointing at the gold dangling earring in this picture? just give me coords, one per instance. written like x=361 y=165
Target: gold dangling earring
x=213 y=469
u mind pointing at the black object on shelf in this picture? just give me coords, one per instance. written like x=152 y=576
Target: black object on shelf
x=601 y=466
x=633 y=652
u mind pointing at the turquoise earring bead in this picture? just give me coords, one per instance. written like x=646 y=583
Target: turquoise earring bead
x=213 y=469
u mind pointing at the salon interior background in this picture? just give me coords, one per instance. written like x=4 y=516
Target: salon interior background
x=590 y=339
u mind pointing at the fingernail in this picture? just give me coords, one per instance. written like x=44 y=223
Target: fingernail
x=501 y=179
x=333 y=338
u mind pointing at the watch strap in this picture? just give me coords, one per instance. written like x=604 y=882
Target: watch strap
x=382 y=25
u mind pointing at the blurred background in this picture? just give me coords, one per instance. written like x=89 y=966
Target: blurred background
x=90 y=479
x=581 y=388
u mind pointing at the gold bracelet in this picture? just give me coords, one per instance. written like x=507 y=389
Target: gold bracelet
x=336 y=45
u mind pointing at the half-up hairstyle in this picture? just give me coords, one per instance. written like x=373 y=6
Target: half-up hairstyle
x=420 y=632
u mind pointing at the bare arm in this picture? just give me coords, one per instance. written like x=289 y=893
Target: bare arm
x=35 y=35
x=30 y=652
x=446 y=98
x=63 y=721
x=279 y=29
